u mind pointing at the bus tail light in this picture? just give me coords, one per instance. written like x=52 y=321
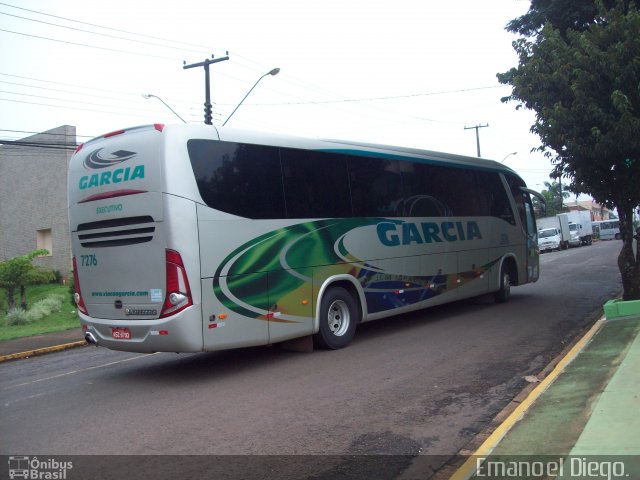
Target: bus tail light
x=113 y=134
x=178 y=292
x=77 y=296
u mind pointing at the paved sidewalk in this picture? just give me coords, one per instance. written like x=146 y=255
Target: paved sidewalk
x=593 y=407
x=588 y=415
x=38 y=344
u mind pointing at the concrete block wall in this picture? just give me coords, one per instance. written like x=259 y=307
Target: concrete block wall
x=33 y=195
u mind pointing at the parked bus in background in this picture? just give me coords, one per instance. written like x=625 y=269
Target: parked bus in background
x=197 y=238
x=607 y=229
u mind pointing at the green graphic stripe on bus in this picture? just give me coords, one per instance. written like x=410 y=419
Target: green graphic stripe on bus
x=272 y=272
x=313 y=241
x=277 y=262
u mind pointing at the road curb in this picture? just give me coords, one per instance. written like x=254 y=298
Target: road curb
x=42 y=351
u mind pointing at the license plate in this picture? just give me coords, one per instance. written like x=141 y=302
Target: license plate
x=121 y=333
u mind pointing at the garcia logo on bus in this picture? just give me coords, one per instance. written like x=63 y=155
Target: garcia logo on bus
x=393 y=234
x=118 y=175
x=96 y=161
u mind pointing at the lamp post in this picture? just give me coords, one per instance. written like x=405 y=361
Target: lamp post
x=508 y=155
x=149 y=95
x=275 y=71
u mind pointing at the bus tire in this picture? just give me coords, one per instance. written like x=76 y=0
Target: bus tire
x=338 y=319
x=503 y=294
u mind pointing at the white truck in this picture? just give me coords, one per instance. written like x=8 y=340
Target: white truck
x=572 y=229
x=582 y=220
x=557 y=230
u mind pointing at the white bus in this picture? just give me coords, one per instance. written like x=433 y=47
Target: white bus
x=607 y=229
x=195 y=238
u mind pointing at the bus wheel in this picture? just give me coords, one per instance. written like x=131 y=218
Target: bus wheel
x=338 y=318
x=502 y=295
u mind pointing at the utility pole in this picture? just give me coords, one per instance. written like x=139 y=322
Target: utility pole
x=560 y=191
x=207 y=83
x=477 y=127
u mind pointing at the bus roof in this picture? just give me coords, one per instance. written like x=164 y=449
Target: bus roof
x=357 y=148
x=231 y=134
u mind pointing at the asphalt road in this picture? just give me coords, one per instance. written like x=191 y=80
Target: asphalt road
x=424 y=383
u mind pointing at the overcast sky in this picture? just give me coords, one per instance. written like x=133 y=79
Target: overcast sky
x=403 y=72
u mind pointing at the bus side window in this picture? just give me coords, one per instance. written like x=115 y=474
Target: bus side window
x=530 y=216
x=519 y=197
x=428 y=190
x=239 y=179
x=376 y=187
x=492 y=189
x=315 y=184
x=462 y=192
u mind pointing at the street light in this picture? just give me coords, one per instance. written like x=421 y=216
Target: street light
x=508 y=155
x=149 y=95
x=275 y=71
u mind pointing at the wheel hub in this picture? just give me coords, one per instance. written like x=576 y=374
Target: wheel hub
x=338 y=318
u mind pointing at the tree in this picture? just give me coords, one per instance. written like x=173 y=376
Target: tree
x=17 y=273
x=582 y=79
x=554 y=196
x=563 y=15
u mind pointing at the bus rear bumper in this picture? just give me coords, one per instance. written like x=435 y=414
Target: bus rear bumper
x=179 y=333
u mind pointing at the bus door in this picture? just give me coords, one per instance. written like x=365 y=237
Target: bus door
x=529 y=237
x=533 y=252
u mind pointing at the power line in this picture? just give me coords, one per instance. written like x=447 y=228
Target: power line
x=310 y=102
x=205 y=48
x=200 y=47
x=57 y=90
x=373 y=99
x=44 y=133
x=75 y=101
x=124 y=104
x=74 y=92
x=107 y=28
x=64 y=106
x=53 y=146
x=129 y=52
x=75 y=85
x=95 y=33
